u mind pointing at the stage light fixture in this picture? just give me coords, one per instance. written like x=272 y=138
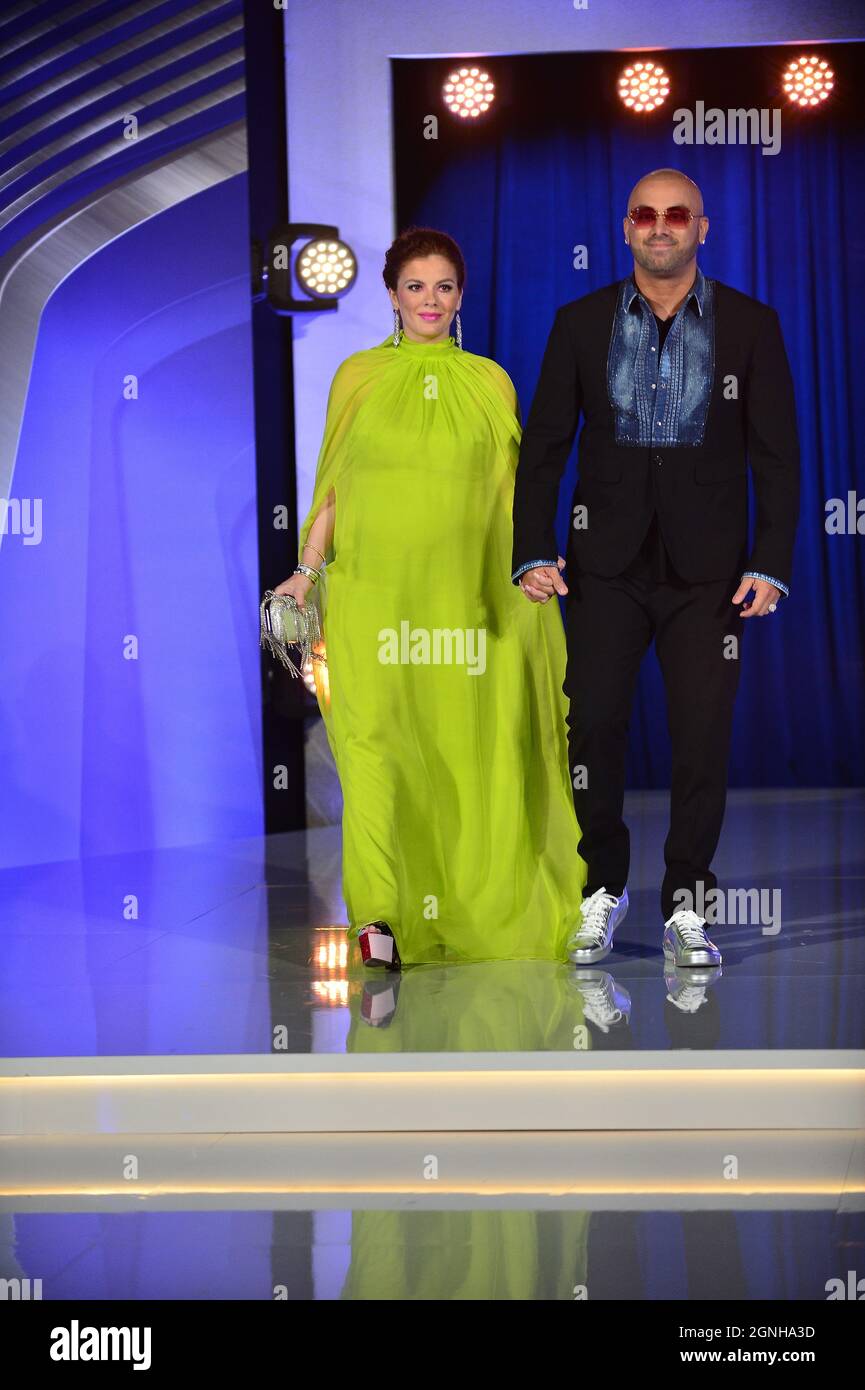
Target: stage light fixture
x=469 y=92
x=329 y=958
x=808 y=81
x=644 y=86
x=330 y=949
x=326 y=269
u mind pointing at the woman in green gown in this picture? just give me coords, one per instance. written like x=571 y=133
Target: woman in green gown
x=441 y=694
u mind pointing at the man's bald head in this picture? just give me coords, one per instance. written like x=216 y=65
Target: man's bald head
x=642 y=191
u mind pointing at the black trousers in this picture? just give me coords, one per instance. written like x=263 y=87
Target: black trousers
x=610 y=624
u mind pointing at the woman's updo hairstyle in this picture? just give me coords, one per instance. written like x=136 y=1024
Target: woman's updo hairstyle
x=422 y=241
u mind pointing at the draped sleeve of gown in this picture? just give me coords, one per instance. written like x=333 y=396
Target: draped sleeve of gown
x=442 y=689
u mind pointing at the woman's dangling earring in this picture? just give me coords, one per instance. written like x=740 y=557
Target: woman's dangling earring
x=459 y=331
x=396 y=327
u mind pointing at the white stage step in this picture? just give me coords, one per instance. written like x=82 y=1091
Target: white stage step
x=738 y=1170
x=383 y=1093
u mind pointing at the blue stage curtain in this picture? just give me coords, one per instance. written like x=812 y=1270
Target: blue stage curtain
x=787 y=228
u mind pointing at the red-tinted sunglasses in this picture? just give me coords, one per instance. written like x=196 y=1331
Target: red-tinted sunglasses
x=674 y=217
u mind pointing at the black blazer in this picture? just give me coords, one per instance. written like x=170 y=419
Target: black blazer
x=700 y=492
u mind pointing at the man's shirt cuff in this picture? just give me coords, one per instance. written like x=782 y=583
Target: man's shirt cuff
x=770 y=579
x=530 y=565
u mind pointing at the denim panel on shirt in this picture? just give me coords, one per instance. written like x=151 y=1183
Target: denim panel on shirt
x=674 y=412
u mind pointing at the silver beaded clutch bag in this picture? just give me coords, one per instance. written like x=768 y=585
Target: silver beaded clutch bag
x=290 y=633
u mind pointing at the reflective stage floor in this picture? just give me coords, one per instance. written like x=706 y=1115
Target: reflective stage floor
x=204 y=1097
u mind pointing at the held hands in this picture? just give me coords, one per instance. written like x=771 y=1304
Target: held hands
x=298 y=585
x=766 y=599
x=541 y=583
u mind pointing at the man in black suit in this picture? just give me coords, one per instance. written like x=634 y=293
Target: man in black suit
x=681 y=382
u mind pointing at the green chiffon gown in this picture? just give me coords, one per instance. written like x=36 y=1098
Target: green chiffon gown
x=442 y=689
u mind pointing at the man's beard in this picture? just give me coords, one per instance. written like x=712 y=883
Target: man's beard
x=671 y=263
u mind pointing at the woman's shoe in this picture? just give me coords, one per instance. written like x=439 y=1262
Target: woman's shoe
x=378 y=947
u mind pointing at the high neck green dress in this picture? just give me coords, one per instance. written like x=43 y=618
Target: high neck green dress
x=442 y=692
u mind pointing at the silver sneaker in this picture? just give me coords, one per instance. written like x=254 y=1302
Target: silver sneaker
x=599 y=916
x=686 y=942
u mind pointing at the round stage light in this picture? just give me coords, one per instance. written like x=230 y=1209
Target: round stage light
x=644 y=86
x=469 y=92
x=808 y=81
x=326 y=269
